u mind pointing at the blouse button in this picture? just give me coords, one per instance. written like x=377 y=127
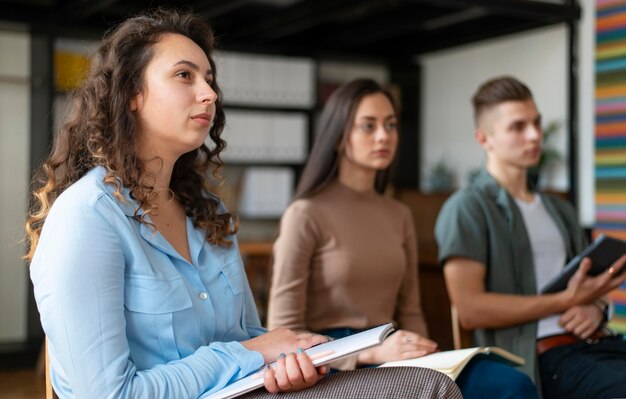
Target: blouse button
x=203 y=295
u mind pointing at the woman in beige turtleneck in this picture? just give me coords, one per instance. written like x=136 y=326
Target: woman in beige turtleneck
x=346 y=255
x=346 y=258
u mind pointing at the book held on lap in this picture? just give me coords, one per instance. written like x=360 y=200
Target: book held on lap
x=452 y=363
x=603 y=251
x=320 y=355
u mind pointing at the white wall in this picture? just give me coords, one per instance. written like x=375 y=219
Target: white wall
x=14 y=179
x=538 y=58
x=450 y=78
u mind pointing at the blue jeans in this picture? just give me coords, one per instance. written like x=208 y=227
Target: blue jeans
x=484 y=378
x=481 y=378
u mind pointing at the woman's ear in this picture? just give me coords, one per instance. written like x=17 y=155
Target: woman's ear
x=136 y=101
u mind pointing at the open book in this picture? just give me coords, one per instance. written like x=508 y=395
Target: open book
x=320 y=354
x=452 y=363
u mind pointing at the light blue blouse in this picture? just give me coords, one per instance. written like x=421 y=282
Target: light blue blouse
x=125 y=315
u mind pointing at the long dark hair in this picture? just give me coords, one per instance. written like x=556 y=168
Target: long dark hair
x=334 y=125
x=101 y=130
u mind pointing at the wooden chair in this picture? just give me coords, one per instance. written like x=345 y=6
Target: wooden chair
x=50 y=394
x=462 y=337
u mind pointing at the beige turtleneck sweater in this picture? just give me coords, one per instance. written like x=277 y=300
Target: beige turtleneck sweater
x=345 y=259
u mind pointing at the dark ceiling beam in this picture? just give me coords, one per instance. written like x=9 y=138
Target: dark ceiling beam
x=80 y=9
x=297 y=18
x=386 y=29
x=408 y=24
x=527 y=9
x=467 y=11
x=455 y=18
x=312 y=21
x=24 y=13
x=425 y=45
x=218 y=9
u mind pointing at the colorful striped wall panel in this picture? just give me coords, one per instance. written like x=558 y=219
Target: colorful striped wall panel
x=610 y=134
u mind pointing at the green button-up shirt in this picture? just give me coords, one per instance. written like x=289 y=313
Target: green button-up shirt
x=482 y=222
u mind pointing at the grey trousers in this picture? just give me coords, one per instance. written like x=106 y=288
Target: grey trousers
x=374 y=383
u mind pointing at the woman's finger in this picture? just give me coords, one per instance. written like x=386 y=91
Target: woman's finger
x=413 y=354
x=294 y=374
x=312 y=340
x=280 y=374
x=425 y=342
x=322 y=370
x=309 y=373
x=269 y=380
x=304 y=334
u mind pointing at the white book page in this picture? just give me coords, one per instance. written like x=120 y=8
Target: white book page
x=442 y=361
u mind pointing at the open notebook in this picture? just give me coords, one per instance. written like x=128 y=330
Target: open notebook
x=320 y=354
x=452 y=363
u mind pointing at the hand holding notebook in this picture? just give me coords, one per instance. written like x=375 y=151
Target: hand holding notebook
x=320 y=355
x=603 y=252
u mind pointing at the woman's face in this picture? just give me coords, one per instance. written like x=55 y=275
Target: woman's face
x=373 y=138
x=177 y=104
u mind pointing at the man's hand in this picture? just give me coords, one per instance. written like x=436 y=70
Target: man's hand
x=583 y=289
x=582 y=320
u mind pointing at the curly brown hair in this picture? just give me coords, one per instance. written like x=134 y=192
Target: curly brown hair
x=100 y=130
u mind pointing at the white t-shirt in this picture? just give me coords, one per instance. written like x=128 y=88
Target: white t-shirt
x=549 y=254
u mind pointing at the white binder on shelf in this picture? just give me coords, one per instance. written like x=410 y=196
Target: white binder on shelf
x=267 y=81
x=289 y=141
x=265 y=136
x=265 y=191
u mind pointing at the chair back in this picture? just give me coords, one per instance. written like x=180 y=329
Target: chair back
x=50 y=394
x=462 y=337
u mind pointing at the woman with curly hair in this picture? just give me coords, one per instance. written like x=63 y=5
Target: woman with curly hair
x=134 y=261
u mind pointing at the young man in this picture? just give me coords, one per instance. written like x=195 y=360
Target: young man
x=500 y=242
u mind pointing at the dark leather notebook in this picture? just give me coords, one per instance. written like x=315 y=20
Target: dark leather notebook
x=603 y=251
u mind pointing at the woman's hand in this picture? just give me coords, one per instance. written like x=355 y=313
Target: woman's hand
x=583 y=289
x=582 y=321
x=292 y=372
x=282 y=340
x=400 y=345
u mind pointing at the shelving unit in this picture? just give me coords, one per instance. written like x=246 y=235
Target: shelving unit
x=269 y=102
